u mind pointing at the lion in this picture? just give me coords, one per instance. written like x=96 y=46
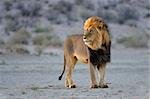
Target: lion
x=93 y=48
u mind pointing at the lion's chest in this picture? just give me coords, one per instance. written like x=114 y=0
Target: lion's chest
x=81 y=55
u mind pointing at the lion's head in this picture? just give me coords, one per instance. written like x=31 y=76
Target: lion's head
x=95 y=33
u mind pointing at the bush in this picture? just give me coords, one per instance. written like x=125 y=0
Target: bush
x=8 y=4
x=53 y=41
x=46 y=40
x=17 y=48
x=11 y=24
x=21 y=49
x=3 y=62
x=87 y=4
x=127 y=12
x=108 y=15
x=135 y=41
x=132 y=23
x=22 y=36
x=22 y=13
x=2 y=42
x=39 y=49
x=38 y=39
x=118 y=14
x=62 y=12
x=42 y=29
x=29 y=8
x=63 y=7
x=85 y=14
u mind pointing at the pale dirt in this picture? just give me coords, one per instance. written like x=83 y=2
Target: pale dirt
x=34 y=77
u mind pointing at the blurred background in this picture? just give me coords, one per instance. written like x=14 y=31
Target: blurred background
x=34 y=26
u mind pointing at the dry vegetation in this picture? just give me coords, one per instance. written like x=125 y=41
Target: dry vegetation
x=25 y=13
x=29 y=22
x=136 y=41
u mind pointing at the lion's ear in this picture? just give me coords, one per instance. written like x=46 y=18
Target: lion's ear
x=105 y=26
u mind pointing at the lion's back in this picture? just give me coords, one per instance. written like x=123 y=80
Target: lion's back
x=74 y=46
x=73 y=41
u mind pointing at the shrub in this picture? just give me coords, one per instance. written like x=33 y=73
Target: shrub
x=21 y=36
x=127 y=12
x=47 y=40
x=29 y=8
x=84 y=14
x=38 y=39
x=3 y=62
x=43 y=29
x=64 y=7
x=2 y=42
x=86 y=4
x=135 y=41
x=132 y=23
x=8 y=4
x=20 y=49
x=108 y=15
x=53 y=41
x=62 y=12
x=11 y=24
x=17 y=48
x=39 y=49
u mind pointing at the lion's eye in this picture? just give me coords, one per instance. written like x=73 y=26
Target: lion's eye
x=90 y=31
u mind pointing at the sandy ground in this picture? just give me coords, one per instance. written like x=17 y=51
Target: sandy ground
x=34 y=77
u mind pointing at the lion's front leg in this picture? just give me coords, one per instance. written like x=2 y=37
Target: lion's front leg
x=101 y=69
x=92 y=76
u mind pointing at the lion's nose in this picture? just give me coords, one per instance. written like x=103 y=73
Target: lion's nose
x=84 y=37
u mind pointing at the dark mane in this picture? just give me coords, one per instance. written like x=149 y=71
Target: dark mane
x=100 y=56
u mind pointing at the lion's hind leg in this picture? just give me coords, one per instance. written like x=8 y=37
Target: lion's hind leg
x=70 y=67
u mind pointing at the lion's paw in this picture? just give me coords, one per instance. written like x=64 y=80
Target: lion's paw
x=94 y=86
x=103 y=86
x=66 y=86
x=72 y=86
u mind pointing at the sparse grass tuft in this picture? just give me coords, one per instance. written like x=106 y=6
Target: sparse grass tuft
x=23 y=92
x=2 y=62
x=34 y=88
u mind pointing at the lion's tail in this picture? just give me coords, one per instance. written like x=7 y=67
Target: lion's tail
x=60 y=77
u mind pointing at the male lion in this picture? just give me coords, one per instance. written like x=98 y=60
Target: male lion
x=93 y=47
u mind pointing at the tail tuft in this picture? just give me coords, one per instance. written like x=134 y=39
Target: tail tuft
x=60 y=77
